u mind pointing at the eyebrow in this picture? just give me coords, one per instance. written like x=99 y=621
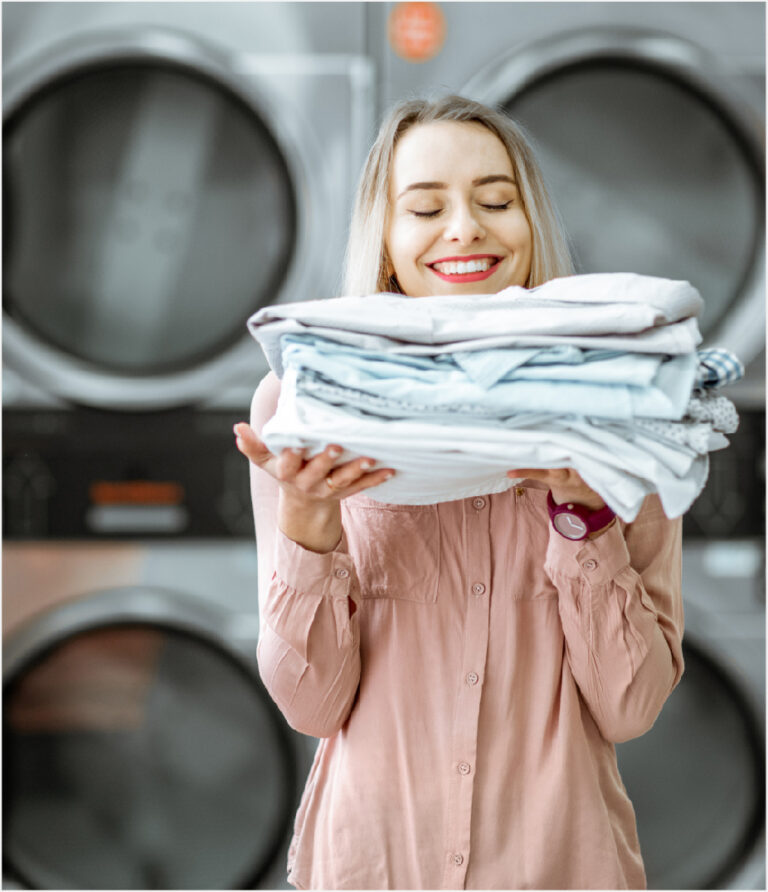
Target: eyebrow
x=480 y=181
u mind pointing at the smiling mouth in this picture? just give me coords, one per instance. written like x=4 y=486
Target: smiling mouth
x=473 y=269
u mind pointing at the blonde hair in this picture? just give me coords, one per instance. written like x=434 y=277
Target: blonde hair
x=365 y=265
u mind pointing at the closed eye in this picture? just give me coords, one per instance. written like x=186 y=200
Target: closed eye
x=488 y=207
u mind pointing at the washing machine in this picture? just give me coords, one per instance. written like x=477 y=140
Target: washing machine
x=168 y=168
x=649 y=122
x=140 y=749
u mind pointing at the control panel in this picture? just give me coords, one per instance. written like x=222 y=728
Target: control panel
x=92 y=474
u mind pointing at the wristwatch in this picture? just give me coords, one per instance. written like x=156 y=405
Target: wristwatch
x=575 y=521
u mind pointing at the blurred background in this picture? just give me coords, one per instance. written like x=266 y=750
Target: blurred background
x=169 y=168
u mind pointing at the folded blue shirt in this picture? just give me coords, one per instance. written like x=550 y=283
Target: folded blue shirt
x=487 y=367
x=494 y=383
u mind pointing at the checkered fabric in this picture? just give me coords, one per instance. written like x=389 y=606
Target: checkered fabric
x=717 y=367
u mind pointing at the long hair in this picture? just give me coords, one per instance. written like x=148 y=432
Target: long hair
x=365 y=266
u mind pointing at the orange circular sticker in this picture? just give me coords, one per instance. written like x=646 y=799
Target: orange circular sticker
x=416 y=30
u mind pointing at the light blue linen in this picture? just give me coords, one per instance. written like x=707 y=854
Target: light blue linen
x=602 y=384
x=487 y=367
x=347 y=364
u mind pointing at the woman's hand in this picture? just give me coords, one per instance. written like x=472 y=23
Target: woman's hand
x=310 y=491
x=565 y=484
x=314 y=480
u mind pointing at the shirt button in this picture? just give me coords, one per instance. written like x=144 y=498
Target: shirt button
x=519 y=490
x=478 y=588
x=342 y=573
x=590 y=564
x=457 y=859
x=464 y=768
x=478 y=503
x=472 y=678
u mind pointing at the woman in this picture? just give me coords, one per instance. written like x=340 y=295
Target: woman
x=467 y=667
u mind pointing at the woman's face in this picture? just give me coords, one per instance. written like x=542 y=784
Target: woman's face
x=456 y=223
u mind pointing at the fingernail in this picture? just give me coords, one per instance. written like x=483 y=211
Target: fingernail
x=334 y=452
x=235 y=429
x=389 y=474
x=297 y=450
x=366 y=463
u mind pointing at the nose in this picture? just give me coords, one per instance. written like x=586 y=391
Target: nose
x=463 y=226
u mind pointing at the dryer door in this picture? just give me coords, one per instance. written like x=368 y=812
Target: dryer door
x=656 y=167
x=141 y=751
x=697 y=782
x=153 y=200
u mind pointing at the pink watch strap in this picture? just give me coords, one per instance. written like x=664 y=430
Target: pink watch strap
x=593 y=520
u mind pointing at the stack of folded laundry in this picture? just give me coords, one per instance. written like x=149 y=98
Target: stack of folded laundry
x=596 y=372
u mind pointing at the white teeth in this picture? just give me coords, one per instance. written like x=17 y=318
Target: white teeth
x=458 y=267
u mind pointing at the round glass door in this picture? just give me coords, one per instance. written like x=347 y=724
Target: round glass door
x=148 y=212
x=697 y=781
x=649 y=175
x=142 y=757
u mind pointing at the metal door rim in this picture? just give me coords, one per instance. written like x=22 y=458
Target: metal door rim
x=742 y=330
x=81 y=382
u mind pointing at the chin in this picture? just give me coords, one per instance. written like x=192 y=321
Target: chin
x=474 y=288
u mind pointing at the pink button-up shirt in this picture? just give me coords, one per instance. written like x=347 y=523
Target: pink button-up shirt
x=469 y=671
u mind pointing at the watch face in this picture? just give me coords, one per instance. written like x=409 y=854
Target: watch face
x=570 y=525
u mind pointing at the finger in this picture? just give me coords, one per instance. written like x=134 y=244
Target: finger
x=546 y=474
x=319 y=467
x=345 y=475
x=367 y=481
x=250 y=445
x=288 y=464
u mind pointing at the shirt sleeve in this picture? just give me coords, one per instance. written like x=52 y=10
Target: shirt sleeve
x=309 y=639
x=620 y=603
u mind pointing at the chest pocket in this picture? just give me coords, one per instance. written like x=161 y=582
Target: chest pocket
x=523 y=565
x=396 y=548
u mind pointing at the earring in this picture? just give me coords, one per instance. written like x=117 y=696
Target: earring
x=389 y=272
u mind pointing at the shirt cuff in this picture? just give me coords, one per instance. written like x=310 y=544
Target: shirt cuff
x=329 y=574
x=596 y=560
